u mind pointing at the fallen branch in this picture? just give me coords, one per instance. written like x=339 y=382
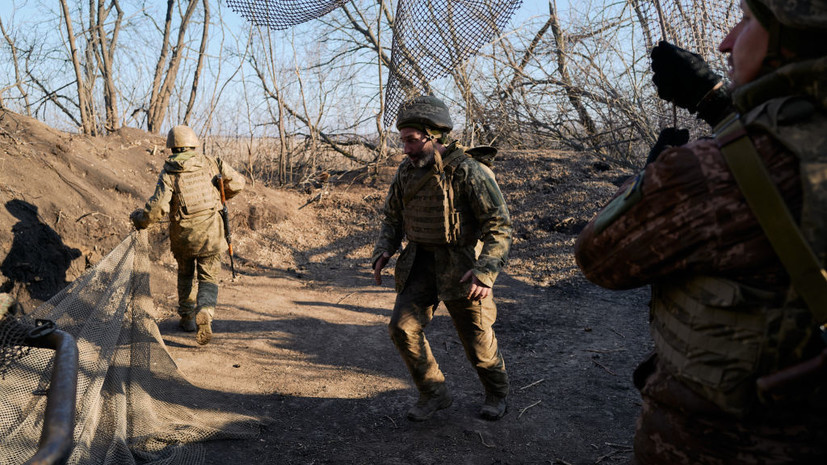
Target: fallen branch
x=345 y=297
x=604 y=367
x=482 y=440
x=525 y=409
x=605 y=351
x=532 y=384
x=391 y=419
x=613 y=330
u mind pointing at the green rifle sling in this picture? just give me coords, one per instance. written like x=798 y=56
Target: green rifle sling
x=808 y=277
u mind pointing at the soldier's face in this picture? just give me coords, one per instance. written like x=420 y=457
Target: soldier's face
x=746 y=45
x=418 y=146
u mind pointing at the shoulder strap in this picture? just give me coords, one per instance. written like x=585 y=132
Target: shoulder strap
x=808 y=277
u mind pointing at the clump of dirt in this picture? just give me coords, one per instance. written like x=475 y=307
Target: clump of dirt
x=301 y=337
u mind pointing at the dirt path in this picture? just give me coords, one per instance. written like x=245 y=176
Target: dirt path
x=315 y=358
x=302 y=339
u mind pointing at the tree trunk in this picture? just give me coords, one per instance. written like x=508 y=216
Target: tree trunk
x=87 y=122
x=17 y=75
x=165 y=93
x=201 y=53
x=107 y=54
x=159 y=69
x=572 y=92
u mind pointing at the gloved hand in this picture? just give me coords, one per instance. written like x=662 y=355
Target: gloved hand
x=137 y=218
x=681 y=77
x=668 y=137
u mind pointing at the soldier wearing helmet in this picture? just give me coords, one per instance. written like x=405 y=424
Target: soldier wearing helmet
x=451 y=211
x=187 y=192
x=735 y=314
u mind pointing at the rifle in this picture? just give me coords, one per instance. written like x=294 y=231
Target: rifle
x=225 y=217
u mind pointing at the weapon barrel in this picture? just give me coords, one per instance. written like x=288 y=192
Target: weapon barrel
x=225 y=217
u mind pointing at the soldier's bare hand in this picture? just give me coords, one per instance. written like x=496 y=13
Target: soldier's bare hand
x=377 y=267
x=478 y=290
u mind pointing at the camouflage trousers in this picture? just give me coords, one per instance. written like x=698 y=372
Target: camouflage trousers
x=676 y=426
x=473 y=320
x=205 y=270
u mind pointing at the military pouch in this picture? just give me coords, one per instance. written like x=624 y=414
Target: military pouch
x=428 y=212
x=712 y=334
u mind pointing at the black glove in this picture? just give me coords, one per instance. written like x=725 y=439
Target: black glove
x=681 y=77
x=137 y=219
x=715 y=106
x=669 y=137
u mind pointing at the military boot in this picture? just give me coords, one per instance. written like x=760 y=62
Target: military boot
x=204 y=321
x=494 y=407
x=429 y=403
x=187 y=323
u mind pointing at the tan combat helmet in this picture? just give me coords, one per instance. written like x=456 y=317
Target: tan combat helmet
x=181 y=136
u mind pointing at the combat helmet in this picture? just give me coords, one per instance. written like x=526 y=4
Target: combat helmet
x=424 y=112
x=797 y=25
x=181 y=136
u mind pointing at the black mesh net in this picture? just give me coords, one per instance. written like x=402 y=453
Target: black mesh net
x=696 y=25
x=282 y=14
x=433 y=36
x=12 y=335
x=133 y=405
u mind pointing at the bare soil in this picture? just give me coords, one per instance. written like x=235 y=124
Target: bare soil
x=301 y=337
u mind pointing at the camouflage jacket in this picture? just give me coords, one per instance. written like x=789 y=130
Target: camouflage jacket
x=200 y=234
x=684 y=213
x=475 y=186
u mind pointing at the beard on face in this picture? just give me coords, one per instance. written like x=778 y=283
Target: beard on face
x=424 y=157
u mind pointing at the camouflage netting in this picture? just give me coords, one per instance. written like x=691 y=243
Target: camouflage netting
x=12 y=335
x=282 y=14
x=431 y=37
x=696 y=25
x=133 y=405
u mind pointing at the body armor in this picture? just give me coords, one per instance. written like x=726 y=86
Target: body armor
x=195 y=193
x=718 y=336
x=432 y=214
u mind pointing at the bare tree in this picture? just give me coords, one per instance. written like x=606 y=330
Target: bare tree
x=84 y=98
x=105 y=57
x=202 y=52
x=18 y=76
x=163 y=82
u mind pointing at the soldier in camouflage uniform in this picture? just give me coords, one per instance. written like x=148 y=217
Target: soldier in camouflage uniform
x=187 y=192
x=723 y=312
x=450 y=208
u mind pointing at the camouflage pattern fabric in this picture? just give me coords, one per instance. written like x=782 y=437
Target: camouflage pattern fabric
x=414 y=309
x=198 y=235
x=801 y=14
x=205 y=270
x=426 y=275
x=691 y=217
x=678 y=427
x=474 y=185
x=691 y=220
